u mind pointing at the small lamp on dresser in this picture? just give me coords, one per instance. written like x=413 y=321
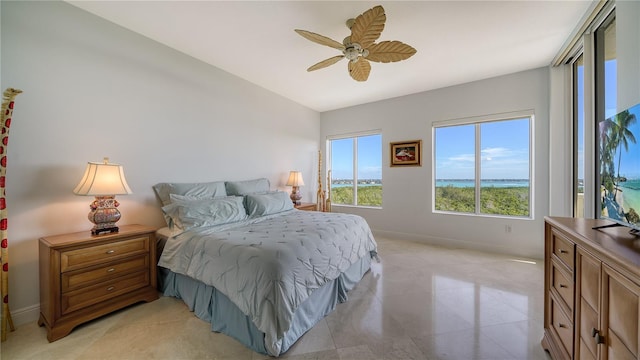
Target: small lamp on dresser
x=104 y=181
x=295 y=181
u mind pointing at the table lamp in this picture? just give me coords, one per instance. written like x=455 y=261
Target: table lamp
x=104 y=181
x=295 y=180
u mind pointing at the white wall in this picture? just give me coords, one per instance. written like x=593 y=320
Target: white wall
x=407 y=195
x=93 y=89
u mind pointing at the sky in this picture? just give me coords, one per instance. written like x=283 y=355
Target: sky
x=504 y=150
x=369 y=158
x=630 y=165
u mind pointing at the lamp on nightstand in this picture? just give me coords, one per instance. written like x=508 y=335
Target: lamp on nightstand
x=295 y=181
x=104 y=181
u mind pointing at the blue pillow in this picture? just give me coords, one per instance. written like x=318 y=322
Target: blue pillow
x=267 y=203
x=185 y=215
x=247 y=187
x=200 y=190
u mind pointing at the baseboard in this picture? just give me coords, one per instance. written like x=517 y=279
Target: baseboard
x=457 y=243
x=25 y=315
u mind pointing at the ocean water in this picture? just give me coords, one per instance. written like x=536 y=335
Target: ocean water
x=499 y=183
x=631 y=194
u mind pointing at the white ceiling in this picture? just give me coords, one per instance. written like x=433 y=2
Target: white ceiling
x=457 y=41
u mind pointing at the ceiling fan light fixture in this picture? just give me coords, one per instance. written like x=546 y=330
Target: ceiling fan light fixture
x=352 y=52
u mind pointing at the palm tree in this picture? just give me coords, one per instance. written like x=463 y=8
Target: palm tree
x=608 y=144
x=623 y=135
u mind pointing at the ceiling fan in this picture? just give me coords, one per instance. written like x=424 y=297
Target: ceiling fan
x=360 y=47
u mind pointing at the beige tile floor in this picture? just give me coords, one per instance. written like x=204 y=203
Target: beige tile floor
x=420 y=302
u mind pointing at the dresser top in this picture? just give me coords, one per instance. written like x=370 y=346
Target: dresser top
x=616 y=243
x=82 y=236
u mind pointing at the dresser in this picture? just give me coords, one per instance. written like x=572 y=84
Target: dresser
x=84 y=276
x=592 y=290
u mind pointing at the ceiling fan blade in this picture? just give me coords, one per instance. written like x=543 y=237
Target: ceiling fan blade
x=367 y=27
x=360 y=69
x=390 y=51
x=322 y=40
x=326 y=62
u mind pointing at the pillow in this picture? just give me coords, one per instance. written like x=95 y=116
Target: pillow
x=247 y=187
x=267 y=204
x=196 y=190
x=185 y=215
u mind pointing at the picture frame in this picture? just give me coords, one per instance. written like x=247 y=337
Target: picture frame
x=406 y=153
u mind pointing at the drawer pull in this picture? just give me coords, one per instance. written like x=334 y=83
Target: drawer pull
x=110 y=252
x=563 y=251
x=563 y=286
x=596 y=334
x=560 y=325
x=110 y=288
x=114 y=269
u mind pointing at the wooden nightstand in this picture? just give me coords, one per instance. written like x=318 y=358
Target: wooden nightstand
x=83 y=277
x=306 y=206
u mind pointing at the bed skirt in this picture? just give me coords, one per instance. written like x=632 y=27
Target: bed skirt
x=212 y=306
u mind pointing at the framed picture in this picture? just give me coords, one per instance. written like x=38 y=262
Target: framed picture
x=406 y=153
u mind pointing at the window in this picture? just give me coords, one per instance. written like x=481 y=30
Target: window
x=355 y=165
x=483 y=167
x=605 y=100
x=578 y=143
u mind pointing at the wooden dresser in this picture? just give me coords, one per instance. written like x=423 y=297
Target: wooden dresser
x=592 y=290
x=83 y=276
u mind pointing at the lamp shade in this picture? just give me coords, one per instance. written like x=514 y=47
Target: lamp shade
x=101 y=179
x=295 y=179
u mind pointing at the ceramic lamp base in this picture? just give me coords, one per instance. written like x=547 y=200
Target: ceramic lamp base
x=104 y=214
x=296 y=196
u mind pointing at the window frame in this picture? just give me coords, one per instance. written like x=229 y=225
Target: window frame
x=477 y=121
x=329 y=161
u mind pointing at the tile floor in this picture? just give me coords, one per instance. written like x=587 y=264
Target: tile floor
x=420 y=302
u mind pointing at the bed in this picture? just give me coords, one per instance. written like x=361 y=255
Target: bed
x=259 y=270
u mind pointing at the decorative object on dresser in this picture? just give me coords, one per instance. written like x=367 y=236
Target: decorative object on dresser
x=104 y=181
x=7 y=111
x=84 y=276
x=592 y=290
x=295 y=181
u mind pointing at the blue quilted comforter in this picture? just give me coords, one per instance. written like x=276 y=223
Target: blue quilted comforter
x=268 y=266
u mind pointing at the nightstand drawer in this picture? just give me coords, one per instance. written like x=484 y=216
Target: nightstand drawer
x=82 y=298
x=76 y=279
x=94 y=255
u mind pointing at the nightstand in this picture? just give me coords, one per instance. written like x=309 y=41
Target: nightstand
x=306 y=206
x=84 y=276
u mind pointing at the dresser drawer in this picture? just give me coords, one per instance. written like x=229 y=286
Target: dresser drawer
x=80 y=278
x=97 y=254
x=78 y=299
x=563 y=284
x=562 y=325
x=563 y=248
